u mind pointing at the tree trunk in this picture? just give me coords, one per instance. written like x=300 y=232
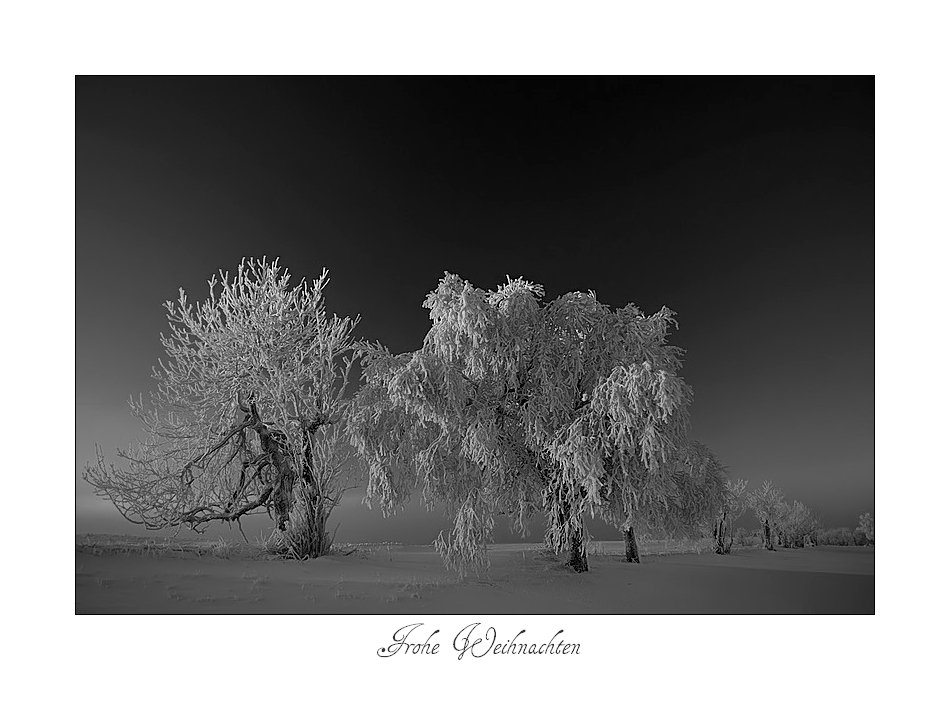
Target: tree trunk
x=578 y=559
x=632 y=552
x=767 y=533
x=283 y=499
x=306 y=535
x=272 y=443
x=720 y=535
x=576 y=542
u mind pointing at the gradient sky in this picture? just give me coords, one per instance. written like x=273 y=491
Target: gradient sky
x=745 y=205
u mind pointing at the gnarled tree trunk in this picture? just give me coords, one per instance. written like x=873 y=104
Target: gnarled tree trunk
x=301 y=510
x=306 y=534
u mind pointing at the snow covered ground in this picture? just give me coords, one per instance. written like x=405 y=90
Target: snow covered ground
x=125 y=576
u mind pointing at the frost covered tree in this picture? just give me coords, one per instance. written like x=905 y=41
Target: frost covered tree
x=866 y=525
x=247 y=414
x=794 y=523
x=691 y=492
x=518 y=407
x=780 y=523
x=732 y=508
x=766 y=502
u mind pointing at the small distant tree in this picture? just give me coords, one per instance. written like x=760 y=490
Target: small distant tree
x=767 y=503
x=836 y=536
x=246 y=417
x=741 y=533
x=796 y=522
x=733 y=507
x=811 y=527
x=778 y=523
x=514 y=406
x=866 y=525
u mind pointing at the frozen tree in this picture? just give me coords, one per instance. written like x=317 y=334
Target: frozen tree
x=733 y=506
x=246 y=417
x=866 y=525
x=810 y=527
x=794 y=523
x=691 y=492
x=519 y=407
x=780 y=522
x=766 y=502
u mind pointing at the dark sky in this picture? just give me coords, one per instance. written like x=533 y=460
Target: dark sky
x=745 y=205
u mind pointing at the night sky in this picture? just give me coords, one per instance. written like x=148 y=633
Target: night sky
x=745 y=205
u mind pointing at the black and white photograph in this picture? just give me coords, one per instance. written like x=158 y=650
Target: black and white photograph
x=582 y=345
x=453 y=360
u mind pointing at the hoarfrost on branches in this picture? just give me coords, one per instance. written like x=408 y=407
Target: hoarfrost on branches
x=767 y=502
x=733 y=507
x=796 y=525
x=515 y=406
x=247 y=414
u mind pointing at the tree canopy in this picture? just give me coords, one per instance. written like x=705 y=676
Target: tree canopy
x=695 y=495
x=517 y=406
